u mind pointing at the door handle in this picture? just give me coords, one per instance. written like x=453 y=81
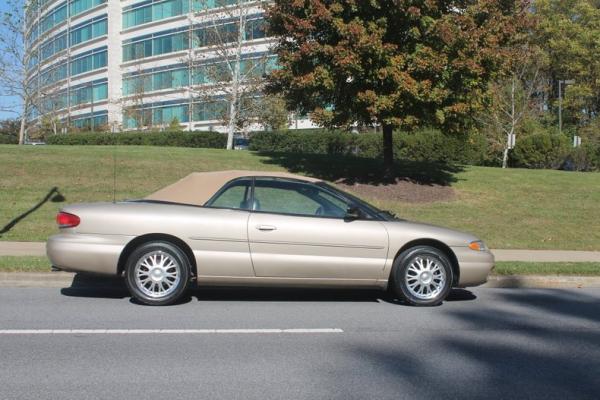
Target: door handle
x=266 y=228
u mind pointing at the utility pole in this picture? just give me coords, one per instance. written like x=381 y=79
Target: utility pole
x=560 y=84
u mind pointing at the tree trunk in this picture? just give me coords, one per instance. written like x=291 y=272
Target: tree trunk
x=235 y=106
x=505 y=158
x=513 y=123
x=388 y=152
x=22 y=129
x=231 y=124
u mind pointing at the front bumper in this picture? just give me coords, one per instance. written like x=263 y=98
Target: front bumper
x=85 y=252
x=475 y=266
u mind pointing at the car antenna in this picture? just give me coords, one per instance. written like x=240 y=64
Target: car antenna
x=115 y=143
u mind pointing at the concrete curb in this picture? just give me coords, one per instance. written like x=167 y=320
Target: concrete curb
x=66 y=279
x=36 y=279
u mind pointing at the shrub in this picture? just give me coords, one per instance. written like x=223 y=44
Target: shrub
x=8 y=139
x=423 y=145
x=433 y=145
x=584 y=158
x=165 y=138
x=540 y=150
x=305 y=141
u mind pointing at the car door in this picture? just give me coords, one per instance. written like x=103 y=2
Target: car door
x=298 y=230
x=220 y=233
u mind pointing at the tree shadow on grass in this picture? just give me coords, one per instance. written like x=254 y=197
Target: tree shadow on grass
x=53 y=196
x=352 y=170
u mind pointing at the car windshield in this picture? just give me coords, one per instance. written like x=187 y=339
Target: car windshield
x=385 y=215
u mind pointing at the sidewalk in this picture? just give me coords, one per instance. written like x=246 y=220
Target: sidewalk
x=39 y=249
x=22 y=249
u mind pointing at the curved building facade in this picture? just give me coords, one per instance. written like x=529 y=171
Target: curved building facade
x=130 y=64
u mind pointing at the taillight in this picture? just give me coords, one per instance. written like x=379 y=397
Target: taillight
x=66 y=220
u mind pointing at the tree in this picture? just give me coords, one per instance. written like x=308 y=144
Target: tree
x=9 y=131
x=49 y=125
x=175 y=125
x=134 y=97
x=397 y=63
x=223 y=71
x=515 y=96
x=14 y=64
x=20 y=69
x=272 y=113
x=568 y=30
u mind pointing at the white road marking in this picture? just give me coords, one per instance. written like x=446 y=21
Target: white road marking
x=162 y=331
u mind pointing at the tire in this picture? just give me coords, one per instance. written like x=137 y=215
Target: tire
x=422 y=276
x=157 y=273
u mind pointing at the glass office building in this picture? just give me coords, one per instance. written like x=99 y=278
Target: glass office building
x=95 y=63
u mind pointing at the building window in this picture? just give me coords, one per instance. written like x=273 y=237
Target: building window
x=209 y=110
x=54 y=74
x=157 y=10
x=85 y=122
x=53 y=46
x=54 y=18
x=89 y=30
x=79 y=6
x=83 y=94
x=89 y=62
x=254 y=66
x=158 y=114
x=33 y=35
x=169 y=42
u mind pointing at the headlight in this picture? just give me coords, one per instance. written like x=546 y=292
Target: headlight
x=477 y=245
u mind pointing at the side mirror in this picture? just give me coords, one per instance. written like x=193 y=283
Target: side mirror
x=353 y=213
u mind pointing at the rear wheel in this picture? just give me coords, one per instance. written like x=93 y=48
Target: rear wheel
x=157 y=273
x=422 y=276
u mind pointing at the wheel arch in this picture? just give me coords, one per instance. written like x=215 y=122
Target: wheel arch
x=441 y=246
x=153 y=237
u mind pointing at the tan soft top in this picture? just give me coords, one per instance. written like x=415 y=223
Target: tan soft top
x=197 y=188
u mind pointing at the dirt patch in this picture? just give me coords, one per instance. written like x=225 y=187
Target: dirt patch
x=402 y=190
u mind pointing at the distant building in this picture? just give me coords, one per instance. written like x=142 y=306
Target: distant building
x=122 y=63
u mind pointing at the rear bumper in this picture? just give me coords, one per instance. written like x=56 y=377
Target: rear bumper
x=475 y=266
x=97 y=254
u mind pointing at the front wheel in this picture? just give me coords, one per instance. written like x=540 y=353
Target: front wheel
x=422 y=276
x=158 y=273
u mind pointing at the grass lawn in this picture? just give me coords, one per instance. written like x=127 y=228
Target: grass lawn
x=534 y=268
x=24 y=264
x=518 y=209
x=42 y=264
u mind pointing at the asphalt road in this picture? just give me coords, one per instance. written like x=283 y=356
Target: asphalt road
x=483 y=343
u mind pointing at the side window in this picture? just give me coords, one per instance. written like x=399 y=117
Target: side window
x=236 y=195
x=287 y=197
x=333 y=206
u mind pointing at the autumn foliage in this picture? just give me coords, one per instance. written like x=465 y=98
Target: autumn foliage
x=397 y=63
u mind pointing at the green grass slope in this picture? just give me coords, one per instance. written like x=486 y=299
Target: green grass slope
x=507 y=208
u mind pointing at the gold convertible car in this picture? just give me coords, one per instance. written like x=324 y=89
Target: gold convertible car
x=259 y=228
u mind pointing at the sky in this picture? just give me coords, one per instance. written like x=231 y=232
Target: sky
x=5 y=100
